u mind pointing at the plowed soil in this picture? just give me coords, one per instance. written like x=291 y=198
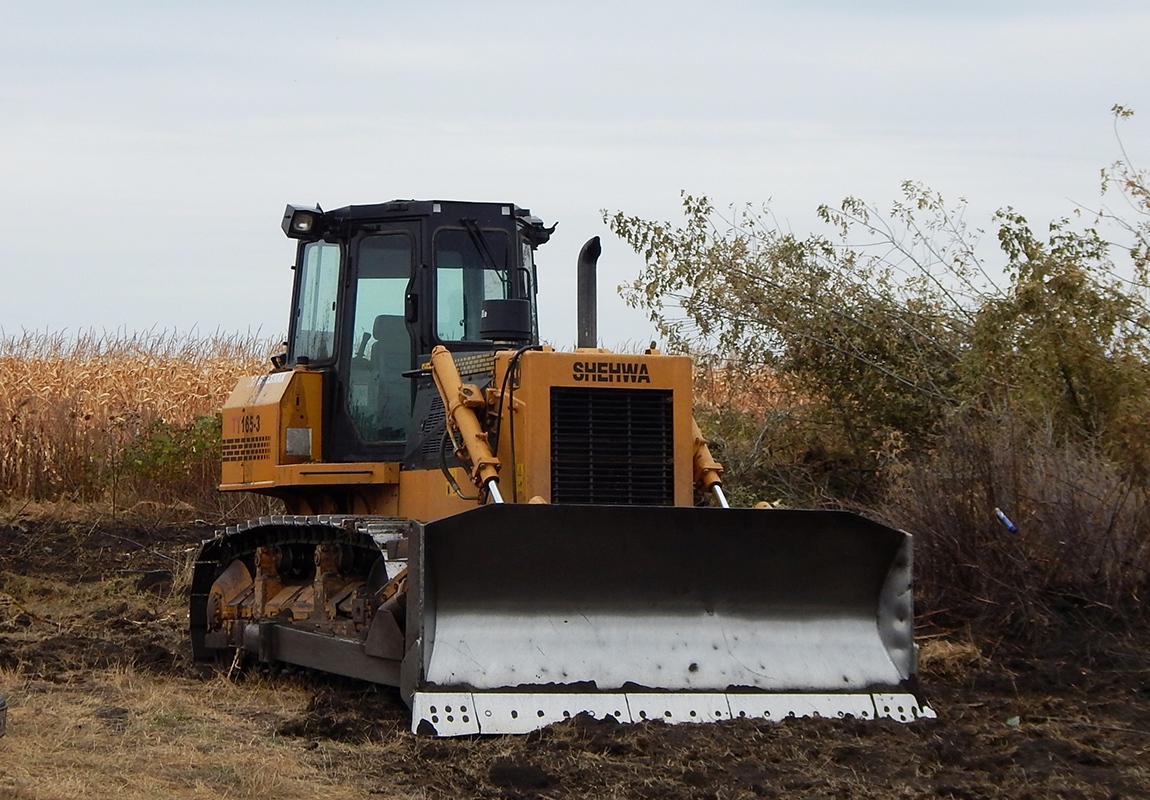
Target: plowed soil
x=84 y=603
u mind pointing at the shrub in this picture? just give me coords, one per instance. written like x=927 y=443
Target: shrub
x=1083 y=527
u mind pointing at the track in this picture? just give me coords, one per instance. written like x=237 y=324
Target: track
x=361 y=545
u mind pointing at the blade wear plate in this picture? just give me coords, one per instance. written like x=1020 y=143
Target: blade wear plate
x=464 y=714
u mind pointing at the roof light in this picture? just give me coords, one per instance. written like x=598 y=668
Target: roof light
x=302 y=223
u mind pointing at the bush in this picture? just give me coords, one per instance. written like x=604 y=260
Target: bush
x=929 y=379
x=1083 y=528
x=169 y=462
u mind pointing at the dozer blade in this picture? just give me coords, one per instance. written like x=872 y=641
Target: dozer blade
x=527 y=614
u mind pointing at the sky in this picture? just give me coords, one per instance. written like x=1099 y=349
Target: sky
x=147 y=150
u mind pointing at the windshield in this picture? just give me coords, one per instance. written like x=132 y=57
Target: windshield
x=471 y=266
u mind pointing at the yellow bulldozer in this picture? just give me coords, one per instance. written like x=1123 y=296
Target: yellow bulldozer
x=514 y=535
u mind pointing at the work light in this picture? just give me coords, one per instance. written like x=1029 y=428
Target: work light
x=302 y=223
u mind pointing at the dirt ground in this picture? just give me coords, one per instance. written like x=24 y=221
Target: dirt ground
x=104 y=700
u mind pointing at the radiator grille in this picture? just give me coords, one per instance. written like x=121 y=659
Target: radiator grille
x=612 y=446
x=247 y=448
x=432 y=430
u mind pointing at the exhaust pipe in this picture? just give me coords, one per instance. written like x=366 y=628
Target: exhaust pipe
x=588 y=320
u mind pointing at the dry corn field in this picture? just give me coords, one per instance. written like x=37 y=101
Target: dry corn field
x=717 y=388
x=72 y=406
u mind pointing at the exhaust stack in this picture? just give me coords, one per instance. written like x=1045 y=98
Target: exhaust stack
x=588 y=320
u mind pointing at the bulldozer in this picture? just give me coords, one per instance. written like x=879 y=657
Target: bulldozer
x=514 y=535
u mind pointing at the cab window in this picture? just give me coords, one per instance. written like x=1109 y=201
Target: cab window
x=313 y=321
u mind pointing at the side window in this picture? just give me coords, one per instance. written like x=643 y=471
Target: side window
x=313 y=324
x=464 y=278
x=527 y=282
x=379 y=399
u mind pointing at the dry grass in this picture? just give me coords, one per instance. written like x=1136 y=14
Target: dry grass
x=132 y=735
x=948 y=659
x=72 y=406
x=101 y=700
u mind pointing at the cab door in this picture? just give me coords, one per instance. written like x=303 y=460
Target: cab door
x=372 y=398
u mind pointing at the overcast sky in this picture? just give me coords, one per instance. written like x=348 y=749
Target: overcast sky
x=147 y=149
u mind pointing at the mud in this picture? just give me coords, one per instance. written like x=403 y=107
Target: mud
x=1068 y=715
